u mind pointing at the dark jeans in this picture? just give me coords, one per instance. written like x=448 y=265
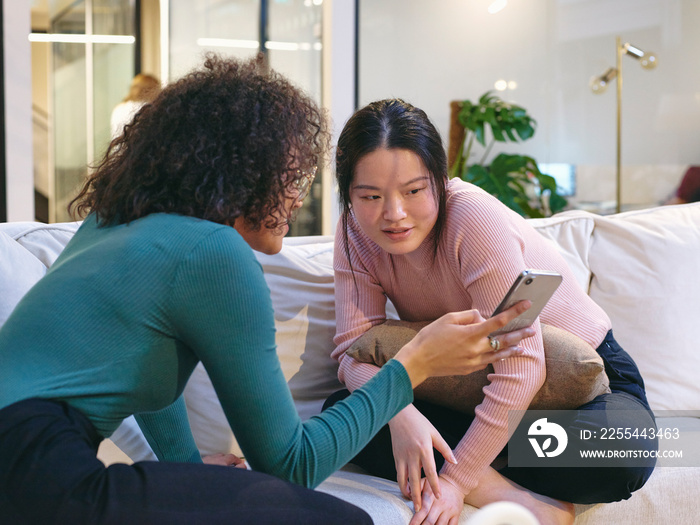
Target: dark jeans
x=573 y=484
x=49 y=473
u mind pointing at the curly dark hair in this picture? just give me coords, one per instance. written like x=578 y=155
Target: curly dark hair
x=223 y=142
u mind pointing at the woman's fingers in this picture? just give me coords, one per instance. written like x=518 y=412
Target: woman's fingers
x=506 y=345
x=223 y=459
x=513 y=338
x=443 y=448
x=465 y=317
x=431 y=474
x=429 y=467
x=456 y=344
x=427 y=501
x=402 y=479
x=499 y=321
x=414 y=480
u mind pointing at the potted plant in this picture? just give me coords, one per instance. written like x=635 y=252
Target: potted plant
x=515 y=180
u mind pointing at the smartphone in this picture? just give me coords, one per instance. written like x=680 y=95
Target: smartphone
x=536 y=286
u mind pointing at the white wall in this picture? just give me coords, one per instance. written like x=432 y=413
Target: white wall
x=433 y=52
x=338 y=89
x=18 y=110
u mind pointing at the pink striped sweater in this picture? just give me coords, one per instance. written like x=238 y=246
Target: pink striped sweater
x=484 y=246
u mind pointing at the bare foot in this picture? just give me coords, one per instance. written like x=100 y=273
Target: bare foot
x=494 y=487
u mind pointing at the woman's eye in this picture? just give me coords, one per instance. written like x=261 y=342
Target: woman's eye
x=370 y=197
x=415 y=190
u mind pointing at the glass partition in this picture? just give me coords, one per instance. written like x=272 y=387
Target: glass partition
x=113 y=65
x=541 y=55
x=69 y=109
x=294 y=43
x=87 y=80
x=228 y=27
x=233 y=28
x=294 y=49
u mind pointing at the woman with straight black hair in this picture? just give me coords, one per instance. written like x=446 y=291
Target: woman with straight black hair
x=433 y=246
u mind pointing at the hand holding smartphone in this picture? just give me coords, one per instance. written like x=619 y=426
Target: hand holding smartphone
x=536 y=286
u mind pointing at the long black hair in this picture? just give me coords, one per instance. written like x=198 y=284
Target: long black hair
x=391 y=124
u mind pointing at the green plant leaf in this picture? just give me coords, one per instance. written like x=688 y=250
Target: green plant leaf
x=505 y=163
x=519 y=112
x=480 y=134
x=524 y=128
x=465 y=114
x=547 y=182
x=511 y=135
x=556 y=202
x=497 y=134
x=514 y=179
x=486 y=98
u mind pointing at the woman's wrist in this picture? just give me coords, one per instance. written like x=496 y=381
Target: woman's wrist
x=410 y=357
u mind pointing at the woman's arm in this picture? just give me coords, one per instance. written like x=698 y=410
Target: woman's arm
x=168 y=433
x=357 y=293
x=360 y=304
x=221 y=309
x=491 y=252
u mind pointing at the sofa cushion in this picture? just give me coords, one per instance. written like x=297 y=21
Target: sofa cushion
x=570 y=232
x=575 y=372
x=19 y=270
x=383 y=501
x=44 y=241
x=300 y=279
x=301 y=284
x=646 y=276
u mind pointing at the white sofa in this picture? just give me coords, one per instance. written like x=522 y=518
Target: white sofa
x=642 y=267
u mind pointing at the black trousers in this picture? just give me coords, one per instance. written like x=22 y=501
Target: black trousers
x=49 y=473
x=573 y=484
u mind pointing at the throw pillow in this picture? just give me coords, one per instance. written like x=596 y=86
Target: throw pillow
x=645 y=276
x=575 y=372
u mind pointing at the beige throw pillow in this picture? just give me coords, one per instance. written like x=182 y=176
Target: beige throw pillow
x=575 y=371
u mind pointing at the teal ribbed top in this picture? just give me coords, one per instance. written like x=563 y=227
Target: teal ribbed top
x=126 y=312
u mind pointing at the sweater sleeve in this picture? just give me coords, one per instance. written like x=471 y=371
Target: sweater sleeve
x=490 y=252
x=360 y=303
x=168 y=433
x=222 y=309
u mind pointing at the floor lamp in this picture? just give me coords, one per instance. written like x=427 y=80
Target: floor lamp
x=600 y=83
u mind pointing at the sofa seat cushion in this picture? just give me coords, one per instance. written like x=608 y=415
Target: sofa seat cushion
x=379 y=497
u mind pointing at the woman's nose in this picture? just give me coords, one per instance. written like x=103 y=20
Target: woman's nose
x=394 y=210
x=293 y=210
x=297 y=204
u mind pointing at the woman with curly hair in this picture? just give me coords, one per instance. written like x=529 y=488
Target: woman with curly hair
x=160 y=276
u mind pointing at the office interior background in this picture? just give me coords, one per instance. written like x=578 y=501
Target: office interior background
x=61 y=83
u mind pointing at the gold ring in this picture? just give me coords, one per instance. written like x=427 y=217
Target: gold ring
x=495 y=343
